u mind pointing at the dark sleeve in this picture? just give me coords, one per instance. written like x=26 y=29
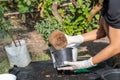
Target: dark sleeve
x=111 y=12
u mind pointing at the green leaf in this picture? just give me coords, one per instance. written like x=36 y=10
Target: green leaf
x=23 y=8
x=97 y=16
x=28 y=2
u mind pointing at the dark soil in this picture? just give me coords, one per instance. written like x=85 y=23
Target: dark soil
x=43 y=70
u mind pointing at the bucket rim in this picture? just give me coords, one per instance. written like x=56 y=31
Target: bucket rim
x=62 y=49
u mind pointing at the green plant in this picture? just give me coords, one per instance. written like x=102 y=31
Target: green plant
x=48 y=7
x=75 y=19
x=77 y=22
x=4 y=5
x=5 y=25
x=4 y=65
x=26 y=5
x=46 y=26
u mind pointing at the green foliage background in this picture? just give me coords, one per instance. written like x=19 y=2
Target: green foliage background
x=75 y=20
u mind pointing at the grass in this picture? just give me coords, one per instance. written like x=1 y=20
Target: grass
x=4 y=66
x=40 y=57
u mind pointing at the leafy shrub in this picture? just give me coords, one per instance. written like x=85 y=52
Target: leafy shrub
x=46 y=26
x=26 y=5
x=5 y=25
x=77 y=22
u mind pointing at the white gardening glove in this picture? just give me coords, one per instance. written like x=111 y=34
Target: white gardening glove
x=77 y=65
x=74 y=41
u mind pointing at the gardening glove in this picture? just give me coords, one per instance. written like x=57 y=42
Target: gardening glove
x=74 y=41
x=77 y=65
x=60 y=40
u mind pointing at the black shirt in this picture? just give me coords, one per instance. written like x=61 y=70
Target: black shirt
x=111 y=12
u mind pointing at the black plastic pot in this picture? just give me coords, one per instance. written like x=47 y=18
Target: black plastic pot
x=113 y=74
x=62 y=55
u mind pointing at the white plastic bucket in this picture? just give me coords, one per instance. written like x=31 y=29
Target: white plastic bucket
x=19 y=55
